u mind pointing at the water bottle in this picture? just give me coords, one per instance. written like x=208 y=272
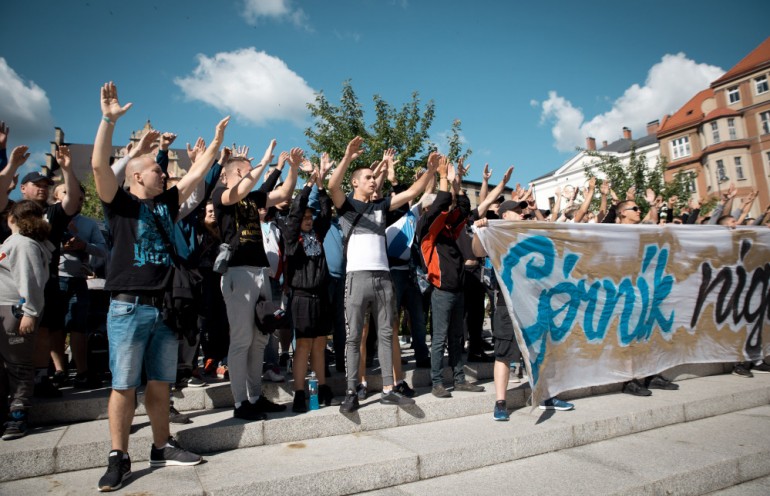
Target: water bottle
x=312 y=386
x=17 y=309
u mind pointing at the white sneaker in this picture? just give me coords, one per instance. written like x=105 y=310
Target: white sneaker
x=272 y=376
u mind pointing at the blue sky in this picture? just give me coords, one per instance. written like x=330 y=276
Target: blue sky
x=529 y=80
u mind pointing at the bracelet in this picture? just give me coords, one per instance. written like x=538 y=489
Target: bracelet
x=107 y=120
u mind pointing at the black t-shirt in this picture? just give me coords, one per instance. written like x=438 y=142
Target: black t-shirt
x=59 y=222
x=140 y=260
x=239 y=226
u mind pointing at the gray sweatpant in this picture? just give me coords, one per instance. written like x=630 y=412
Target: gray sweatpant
x=16 y=361
x=371 y=290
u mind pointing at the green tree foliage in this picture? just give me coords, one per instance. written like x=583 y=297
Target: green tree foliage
x=456 y=144
x=637 y=173
x=92 y=206
x=405 y=130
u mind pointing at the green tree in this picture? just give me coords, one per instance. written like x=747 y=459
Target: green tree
x=455 y=143
x=92 y=206
x=405 y=130
x=622 y=176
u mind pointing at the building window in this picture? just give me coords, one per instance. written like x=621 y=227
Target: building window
x=733 y=95
x=764 y=118
x=739 y=169
x=688 y=177
x=721 y=175
x=680 y=147
x=760 y=85
x=731 y=128
x=715 y=132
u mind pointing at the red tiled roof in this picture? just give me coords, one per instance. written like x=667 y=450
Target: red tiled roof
x=689 y=114
x=755 y=60
x=721 y=112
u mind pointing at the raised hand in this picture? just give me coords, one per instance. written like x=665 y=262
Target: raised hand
x=296 y=155
x=443 y=165
x=604 y=189
x=461 y=170
x=355 y=148
x=4 y=130
x=268 y=156
x=631 y=193
x=672 y=201
x=200 y=146
x=219 y=132
x=306 y=166
x=434 y=159
x=146 y=144
x=649 y=195
x=451 y=173
x=326 y=165
x=378 y=167
x=166 y=139
x=19 y=155
x=557 y=192
x=111 y=108
x=63 y=157
x=242 y=152
x=487 y=172
x=282 y=158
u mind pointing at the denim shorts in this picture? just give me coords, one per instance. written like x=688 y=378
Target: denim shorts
x=137 y=334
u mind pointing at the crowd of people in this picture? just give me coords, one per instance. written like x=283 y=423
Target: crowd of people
x=252 y=277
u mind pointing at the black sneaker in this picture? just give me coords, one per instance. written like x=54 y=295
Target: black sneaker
x=46 y=389
x=403 y=388
x=362 y=392
x=87 y=380
x=247 y=411
x=660 y=382
x=176 y=417
x=16 y=426
x=118 y=470
x=741 y=371
x=350 y=403
x=59 y=379
x=636 y=388
x=395 y=398
x=265 y=405
x=172 y=454
x=440 y=392
x=762 y=368
x=299 y=405
x=469 y=387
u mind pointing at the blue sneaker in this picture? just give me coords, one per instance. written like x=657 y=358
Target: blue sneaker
x=556 y=404
x=501 y=411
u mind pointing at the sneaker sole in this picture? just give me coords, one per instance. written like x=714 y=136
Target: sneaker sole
x=743 y=375
x=174 y=463
x=557 y=408
x=755 y=371
x=109 y=489
x=11 y=437
x=501 y=419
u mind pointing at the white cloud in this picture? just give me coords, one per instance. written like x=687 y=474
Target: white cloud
x=670 y=84
x=280 y=10
x=24 y=107
x=347 y=35
x=251 y=85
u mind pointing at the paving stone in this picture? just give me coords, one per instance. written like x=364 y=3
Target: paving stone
x=31 y=455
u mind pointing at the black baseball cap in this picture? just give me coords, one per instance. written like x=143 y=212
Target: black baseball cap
x=34 y=177
x=510 y=205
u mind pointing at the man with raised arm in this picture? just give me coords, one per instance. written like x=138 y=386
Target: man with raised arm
x=141 y=222
x=247 y=278
x=368 y=284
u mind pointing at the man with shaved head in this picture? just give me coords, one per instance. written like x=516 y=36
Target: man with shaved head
x=141 y=222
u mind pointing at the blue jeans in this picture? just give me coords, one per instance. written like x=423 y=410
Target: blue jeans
x=447 y=310
x=137 y=333
x=408 y=294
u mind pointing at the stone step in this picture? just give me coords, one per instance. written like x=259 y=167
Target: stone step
x=711 y=434
x=757 y=487
x=79 y=406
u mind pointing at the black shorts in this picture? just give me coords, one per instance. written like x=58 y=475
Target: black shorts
x=310 y=314
x=506 y=347
x=55 y=306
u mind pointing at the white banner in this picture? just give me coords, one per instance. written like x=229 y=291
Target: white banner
x=597 y=304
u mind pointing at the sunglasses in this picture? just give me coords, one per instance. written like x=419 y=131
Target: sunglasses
x=635 y=209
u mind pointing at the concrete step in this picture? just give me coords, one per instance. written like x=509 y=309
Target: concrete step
x=78 y=405
x=711 y=434
x=684 y=459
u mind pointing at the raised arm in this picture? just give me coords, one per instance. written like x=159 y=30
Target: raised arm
x=104 y=177
x=418 y=186
x=243 y=187
x=556 y=204
x=71 y=184
x=583 y=210
x=746 y=206
x=19 y=155
x=495 y=193
x=484 y=191
x=203 y=163
x=352 y=152
x=296 y=155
